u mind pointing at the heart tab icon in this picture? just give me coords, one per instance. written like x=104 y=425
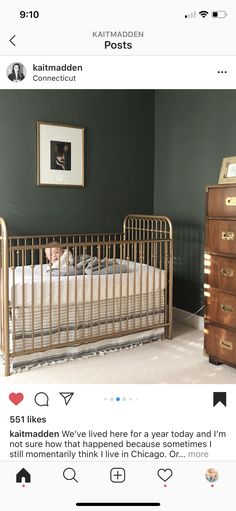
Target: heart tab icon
x=16 y=398
x=165 y=474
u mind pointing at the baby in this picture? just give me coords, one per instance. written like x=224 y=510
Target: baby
x=54 y=254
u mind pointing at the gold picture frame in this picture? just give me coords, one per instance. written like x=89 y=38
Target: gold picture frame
x=228 y=170
x=60 y=154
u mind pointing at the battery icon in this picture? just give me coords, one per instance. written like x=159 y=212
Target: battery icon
x=219 y=14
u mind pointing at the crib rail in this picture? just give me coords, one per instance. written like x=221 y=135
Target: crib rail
x=119 y=283
x=146 y=227
x=155 y=227
x=36 y=239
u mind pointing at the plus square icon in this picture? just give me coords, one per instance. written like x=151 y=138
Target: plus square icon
x=117 y=475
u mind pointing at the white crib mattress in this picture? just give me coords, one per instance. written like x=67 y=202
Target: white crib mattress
x=35 y=286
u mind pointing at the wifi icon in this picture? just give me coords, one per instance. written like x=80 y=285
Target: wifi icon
x=203 y=14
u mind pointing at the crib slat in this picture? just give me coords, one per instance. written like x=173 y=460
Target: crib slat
x=13 y=310
x=32 y=295
x=23 y=298
x=99 y=286
x=147 y=286
x=120 y=281
x=107 y=248
x=141 y=282
x=76 y=293
x=135 y=269
x=153 y=283
x=50 y=304
x=127 y=294
x=59 y=301
x=113 y=289
x=41 y=294
x=83 y=313
x=91 y=296
x=67 y=296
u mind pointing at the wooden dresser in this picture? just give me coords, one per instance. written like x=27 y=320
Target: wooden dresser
x=220 y=274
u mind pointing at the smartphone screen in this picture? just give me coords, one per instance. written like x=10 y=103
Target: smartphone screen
x=117 y=255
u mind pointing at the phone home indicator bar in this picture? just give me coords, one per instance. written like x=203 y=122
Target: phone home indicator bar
x=140 y=504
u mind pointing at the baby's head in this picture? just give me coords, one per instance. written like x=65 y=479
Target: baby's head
x=53 y=253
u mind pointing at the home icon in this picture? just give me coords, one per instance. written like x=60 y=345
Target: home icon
x=23 y=476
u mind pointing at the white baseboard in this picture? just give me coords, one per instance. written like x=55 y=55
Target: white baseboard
x=188 y=318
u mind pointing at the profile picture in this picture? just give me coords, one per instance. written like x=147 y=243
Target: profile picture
x=16 y=72
x=60 y=155
x=211 y=475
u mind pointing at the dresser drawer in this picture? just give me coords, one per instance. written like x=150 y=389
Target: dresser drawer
x=220 y=307
x=220 y=344
x=222 y=202
x=221 y=236
x=220 y=272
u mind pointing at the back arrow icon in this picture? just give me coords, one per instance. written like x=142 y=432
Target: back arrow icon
x=11 y=41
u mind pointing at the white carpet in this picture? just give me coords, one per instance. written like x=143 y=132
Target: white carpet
x=180 y=360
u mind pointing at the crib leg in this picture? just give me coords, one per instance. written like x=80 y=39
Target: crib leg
x=168 y=332
x=7 y=368
x=7 y=371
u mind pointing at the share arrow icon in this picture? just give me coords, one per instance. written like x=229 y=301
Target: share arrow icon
x=66 y=396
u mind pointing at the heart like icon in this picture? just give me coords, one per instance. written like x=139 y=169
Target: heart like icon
x=165 y=474
x=16 y=398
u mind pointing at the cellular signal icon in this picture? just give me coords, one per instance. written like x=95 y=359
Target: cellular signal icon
x=191 y=15
x=203 y=14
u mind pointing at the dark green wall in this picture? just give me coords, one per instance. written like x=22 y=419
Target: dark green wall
x=194 y=131
x=119 y=159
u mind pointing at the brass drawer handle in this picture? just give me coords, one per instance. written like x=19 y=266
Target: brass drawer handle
x=226 y=344
x=226 y=308
x=228 y=235
x=227 y=272
x=230 y=201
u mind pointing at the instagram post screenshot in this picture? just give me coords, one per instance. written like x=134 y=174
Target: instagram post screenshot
x=117 y=255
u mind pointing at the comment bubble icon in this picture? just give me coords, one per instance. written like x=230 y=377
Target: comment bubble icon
x=41 y=399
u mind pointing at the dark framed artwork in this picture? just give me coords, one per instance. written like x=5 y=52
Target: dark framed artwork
x=60 y=155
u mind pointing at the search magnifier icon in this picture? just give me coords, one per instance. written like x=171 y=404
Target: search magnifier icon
x=69 y=474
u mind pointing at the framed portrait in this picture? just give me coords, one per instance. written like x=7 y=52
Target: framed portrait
x=228 y=170
x=60 y=155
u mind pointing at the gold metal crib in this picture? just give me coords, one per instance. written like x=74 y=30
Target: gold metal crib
x=127 y=289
